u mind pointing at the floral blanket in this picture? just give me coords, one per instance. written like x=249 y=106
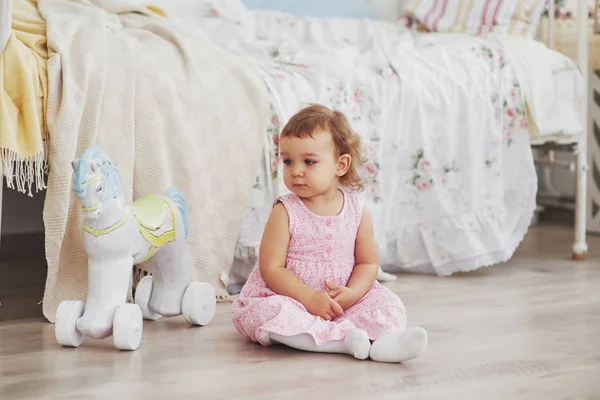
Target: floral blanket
x=450 y=178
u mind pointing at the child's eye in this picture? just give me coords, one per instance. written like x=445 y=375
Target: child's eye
x=287 y=162
x=309 y=162
x=99 y=188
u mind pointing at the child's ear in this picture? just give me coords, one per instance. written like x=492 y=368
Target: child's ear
x=344 y=163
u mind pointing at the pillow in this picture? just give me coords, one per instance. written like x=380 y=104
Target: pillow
x=316 y=8
x=476 y=17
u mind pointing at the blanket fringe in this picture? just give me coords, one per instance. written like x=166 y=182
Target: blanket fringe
x=23 y=172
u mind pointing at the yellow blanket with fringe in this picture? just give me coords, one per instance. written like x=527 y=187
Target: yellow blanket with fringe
x=24 y=83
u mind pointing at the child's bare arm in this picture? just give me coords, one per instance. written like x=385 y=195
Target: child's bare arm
x=366 y=257
x=272 y=261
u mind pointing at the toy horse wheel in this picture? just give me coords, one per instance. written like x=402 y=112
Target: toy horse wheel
x=199 y=303
x=65 y=330
x=143 y=292
x=127 y=327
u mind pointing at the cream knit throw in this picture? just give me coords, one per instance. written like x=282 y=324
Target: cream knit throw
x=170 y=110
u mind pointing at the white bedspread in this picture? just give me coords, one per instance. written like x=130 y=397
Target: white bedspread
x=450 y=178
x=169 y=110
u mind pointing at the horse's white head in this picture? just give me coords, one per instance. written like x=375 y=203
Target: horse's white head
x=95 y=181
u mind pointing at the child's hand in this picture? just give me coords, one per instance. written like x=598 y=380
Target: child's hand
x=321 y=305
x=346 y=297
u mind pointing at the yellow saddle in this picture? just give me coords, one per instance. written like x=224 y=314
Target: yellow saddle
x=149 y=212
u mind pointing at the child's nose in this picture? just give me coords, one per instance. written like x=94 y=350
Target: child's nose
x=297 y=170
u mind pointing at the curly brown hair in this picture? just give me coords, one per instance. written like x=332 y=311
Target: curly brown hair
x=317 y=117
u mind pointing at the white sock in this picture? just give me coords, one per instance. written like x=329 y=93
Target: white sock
x=356 y=344
x=400 y=346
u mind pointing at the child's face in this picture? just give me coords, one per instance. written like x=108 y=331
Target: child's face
x=310 y=164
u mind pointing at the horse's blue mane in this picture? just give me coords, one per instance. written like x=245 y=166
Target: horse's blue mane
x=111 y=187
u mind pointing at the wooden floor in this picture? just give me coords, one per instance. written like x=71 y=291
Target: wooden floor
x=526 y=329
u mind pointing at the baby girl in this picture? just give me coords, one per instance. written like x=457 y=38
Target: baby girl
x=314 y=287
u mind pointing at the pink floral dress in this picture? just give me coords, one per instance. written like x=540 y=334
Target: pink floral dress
x=321 y=248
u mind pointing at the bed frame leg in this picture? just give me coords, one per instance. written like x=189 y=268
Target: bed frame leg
x=580 y=246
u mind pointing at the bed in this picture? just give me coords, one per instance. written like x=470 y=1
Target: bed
x=293 y=57
x=449 y=192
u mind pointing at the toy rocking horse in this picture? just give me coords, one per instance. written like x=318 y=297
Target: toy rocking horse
x=117 y=236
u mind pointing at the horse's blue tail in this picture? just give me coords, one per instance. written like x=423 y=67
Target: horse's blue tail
x=175 y=196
